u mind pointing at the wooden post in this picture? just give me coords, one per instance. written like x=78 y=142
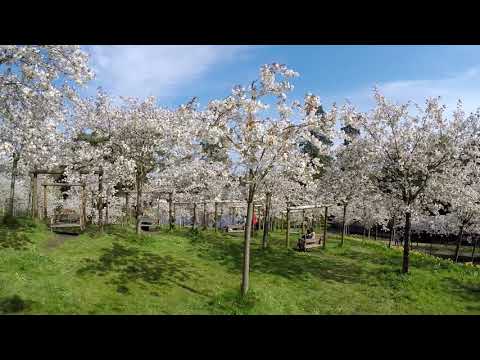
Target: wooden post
x=287 y=232
x=45 y=205
x=325 y=227
x=170 y=214
x=215 y=217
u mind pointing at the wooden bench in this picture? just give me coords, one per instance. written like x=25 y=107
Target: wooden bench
x=146 y=223
x=235 y=228
x=304 y=244
x=64 y=220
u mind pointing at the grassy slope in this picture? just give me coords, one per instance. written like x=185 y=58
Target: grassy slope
x=184 y=273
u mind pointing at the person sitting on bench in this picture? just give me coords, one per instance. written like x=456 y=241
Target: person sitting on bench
x=309 y=235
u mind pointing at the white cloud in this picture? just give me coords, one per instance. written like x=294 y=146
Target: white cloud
x=158 y=70
x=464 y=86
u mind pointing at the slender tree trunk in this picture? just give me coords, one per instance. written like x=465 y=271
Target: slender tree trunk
x=325 y=224
x=215 y=217
x=170 y=214
x=106 y=207
x=194 y=219
x=266 y=227
x=127 y=208
x=406 y=242
x=392 y=232
x=369 y=233
x=246 y=249
x=343 y=223
x=35 y=196
x=16 y=157
x=139 y=201
x=100 y=199
x=376 y=232
x=45 y=203
x=287 y=228
x=204 y=216
x=473 y=250
x=459 y=243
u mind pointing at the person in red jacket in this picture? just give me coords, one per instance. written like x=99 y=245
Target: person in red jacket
x=255 y=221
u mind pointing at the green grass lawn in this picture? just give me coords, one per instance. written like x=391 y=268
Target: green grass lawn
x=200 y=273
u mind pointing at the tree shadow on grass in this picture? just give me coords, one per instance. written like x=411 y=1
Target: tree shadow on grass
x=14 y=239
x=466 y=291
x=276 y=261
x=130 y=264
x=14 y=304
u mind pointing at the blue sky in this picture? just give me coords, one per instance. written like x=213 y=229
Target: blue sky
x=174 y=74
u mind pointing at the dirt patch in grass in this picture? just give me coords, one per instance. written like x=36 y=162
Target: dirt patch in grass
x=58 y=239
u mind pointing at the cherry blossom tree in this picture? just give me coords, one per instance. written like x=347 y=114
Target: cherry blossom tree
x=409 y=151
x=35 y=82
x=257 y=143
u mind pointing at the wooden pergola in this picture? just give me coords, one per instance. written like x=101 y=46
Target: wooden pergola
x=34 y=185
x=83 y=214
x=303 y=208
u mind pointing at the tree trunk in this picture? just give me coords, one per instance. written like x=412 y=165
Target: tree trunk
x=139 y=202
x=194 y=218
x=204 y=216
x=459 y=243
x=266 y=227
x=303 y=222
x=127 y=208
x=392 y=234
x=343 y=223
x=325 y=224
x=376 y=232
x=84 y=207
x=215 y=217
x=246 y=248
x=100 y=199
x=473 y=250
x=406 y=242
x=11 y=201
x=170 y=214
x=106 y=207
x=45 y=204
x=35 y=196
x=287 y=228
